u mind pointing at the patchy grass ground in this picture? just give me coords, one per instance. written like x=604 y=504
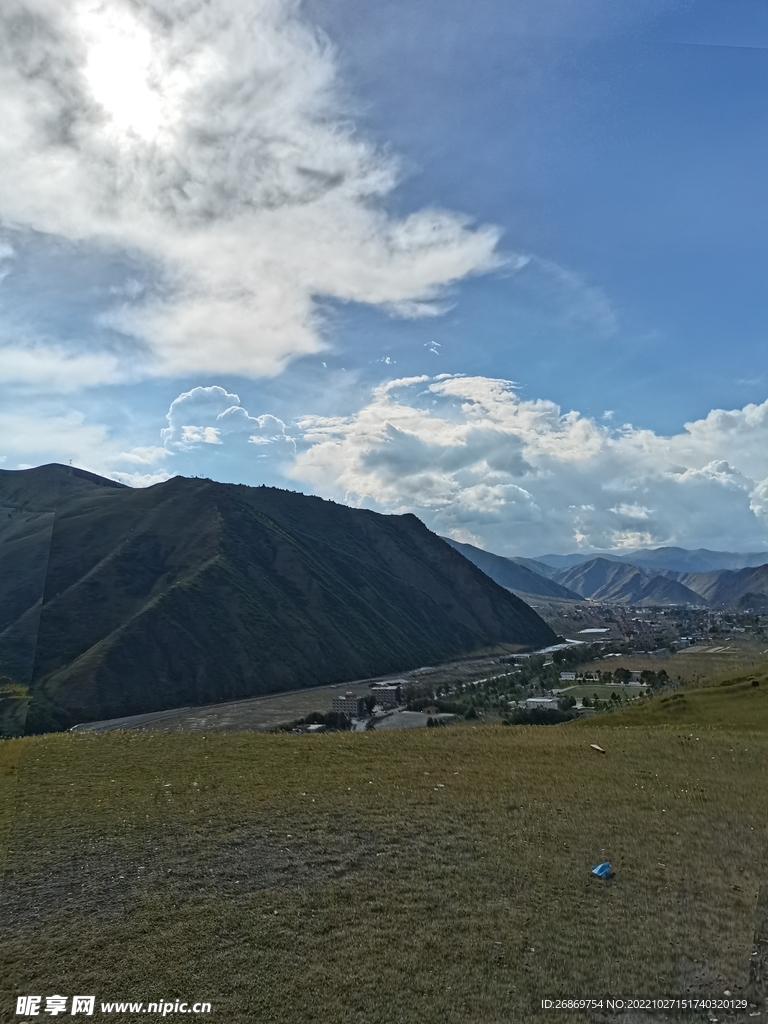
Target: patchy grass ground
x=425 y=876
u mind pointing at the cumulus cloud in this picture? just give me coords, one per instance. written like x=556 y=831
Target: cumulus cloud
x=206 y=139
x=207 y=415
x=138 y=479
x=472 y=458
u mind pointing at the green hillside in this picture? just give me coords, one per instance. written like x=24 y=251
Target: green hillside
x=190 y=592
x=737 y=703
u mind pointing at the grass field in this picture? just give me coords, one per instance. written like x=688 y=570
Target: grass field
x=426 y=876
x=736 y=702
x=700 y=663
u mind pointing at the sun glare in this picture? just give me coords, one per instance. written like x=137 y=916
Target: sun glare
x=119 y=70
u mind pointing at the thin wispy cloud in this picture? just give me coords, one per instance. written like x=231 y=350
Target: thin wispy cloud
x=208 y=141
x=54 y=367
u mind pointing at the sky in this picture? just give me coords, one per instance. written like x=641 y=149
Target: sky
x=498 y=263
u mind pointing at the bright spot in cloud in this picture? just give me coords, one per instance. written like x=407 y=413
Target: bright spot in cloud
x=118 y=68
x=631 y=511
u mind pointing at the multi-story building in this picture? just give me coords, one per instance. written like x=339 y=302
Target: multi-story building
x=386 y=695
x=350 y=705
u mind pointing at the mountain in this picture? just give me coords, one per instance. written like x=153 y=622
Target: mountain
x=667 y=559
x=745 y=590
x=578 y=558
x=604 y=580
x=700 y=560
x=540 y=568
x=28 y=500
x=512 y=573
x=116 y=601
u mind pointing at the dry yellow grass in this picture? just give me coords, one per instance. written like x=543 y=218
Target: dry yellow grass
x=439 y=875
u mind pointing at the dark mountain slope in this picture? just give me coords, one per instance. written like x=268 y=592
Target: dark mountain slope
x=192 y=591
x=47 y=487
x=513 y=574
x=27 y=502
x=604 y=580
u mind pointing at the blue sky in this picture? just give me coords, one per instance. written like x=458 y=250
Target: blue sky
x=229 y=229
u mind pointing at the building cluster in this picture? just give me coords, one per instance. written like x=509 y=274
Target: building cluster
x=595 y=677
x=386 y=697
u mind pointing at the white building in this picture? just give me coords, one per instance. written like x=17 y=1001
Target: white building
x=541 y=702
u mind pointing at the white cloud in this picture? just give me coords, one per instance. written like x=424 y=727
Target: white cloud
x=56 y=437
x=631 y=511
x=139 y=479
x=43 y=435
x=205 y=415
x=53 y=367
x=208 y=139
x=191 y=435
x=472 y=458
x=146 y=456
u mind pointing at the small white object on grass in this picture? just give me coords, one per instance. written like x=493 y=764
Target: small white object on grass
x=595 y=747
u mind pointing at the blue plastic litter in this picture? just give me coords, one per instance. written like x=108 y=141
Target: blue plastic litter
x=603 y=870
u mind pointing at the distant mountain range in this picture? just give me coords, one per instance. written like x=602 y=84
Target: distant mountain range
x=117 y=601
x=661 y=559
x=745 y=590
x=652 y=580
x=619 y=583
